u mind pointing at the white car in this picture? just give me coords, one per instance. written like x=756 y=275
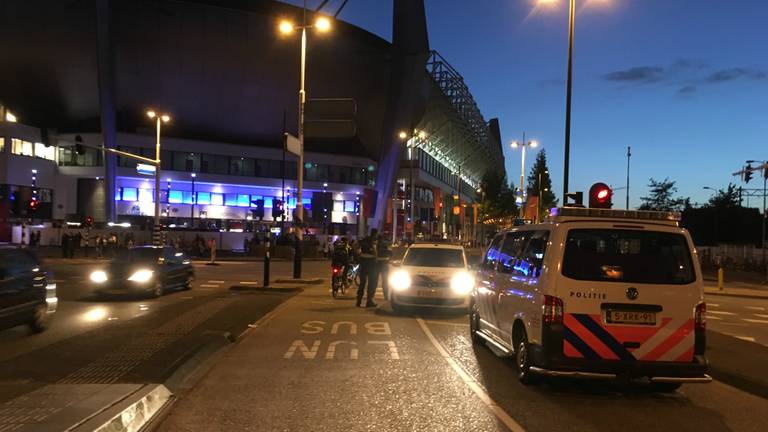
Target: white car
x=432 y=275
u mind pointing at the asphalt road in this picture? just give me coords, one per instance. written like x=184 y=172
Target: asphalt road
x=743 y=318
x=324 y=365
x=130 y=339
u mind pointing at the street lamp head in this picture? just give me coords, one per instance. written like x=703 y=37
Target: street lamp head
x=285 y=27
x=151 y=114
x=10 y=118
x=193 y=175
x=403 y=135
x=323 y=24
x=514 y=144
x=533 y=144
x=547 y=2
x=165 y=118
x=422 y=134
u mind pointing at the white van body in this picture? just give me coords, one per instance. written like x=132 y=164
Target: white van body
x=595 y=293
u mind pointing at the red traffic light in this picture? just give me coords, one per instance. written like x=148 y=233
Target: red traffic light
x=88 y=221
x=600 y=195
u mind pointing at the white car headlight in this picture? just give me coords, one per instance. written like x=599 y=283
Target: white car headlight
x=98 y=276
x=462 y=282
x=400 y=280
x=142 y=275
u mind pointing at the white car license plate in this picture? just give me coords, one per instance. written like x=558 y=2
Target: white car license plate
x=428 y=293
x=630 y=317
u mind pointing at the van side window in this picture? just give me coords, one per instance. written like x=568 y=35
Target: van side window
x=492 y=256
x=533 y=257
x=512 y=250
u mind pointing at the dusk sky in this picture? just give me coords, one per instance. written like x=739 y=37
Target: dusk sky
x=684 y=82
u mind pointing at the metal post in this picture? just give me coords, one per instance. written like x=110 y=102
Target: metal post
x=413 y=194
x=538 y=204
x=522 y=169
x=569 y=88
x=156 y=236
x=267 y=247
x=762 y=243
x=194 y=200
x=629 y=155
x=300 y=174
x=394 y=220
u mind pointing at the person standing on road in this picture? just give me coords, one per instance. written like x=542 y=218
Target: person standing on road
x=384 y=254
x=368 y=255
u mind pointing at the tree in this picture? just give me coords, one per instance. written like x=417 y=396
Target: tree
x=540 y=171
x=498 y=197
x=726 y=198
x=661 y=197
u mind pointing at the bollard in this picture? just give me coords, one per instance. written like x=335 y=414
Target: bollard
x=720 y=278
x=267 y=247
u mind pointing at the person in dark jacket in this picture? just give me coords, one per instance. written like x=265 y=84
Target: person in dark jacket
x=368 y=273
x=383 y=256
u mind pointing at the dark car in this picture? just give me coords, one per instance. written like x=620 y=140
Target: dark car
x=144 y=270
x=26 y=296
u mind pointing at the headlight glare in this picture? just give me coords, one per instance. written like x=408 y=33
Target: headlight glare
x=462 y=282
x=98 y=276
x=400 y=280
x=142 y=275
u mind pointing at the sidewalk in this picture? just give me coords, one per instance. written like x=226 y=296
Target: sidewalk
x=737 y=289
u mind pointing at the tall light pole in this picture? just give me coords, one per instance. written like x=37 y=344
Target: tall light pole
x=762 y=237
x=406 y=137
x=322 y=24
x=159 y=119
x=629 y=155
x=523 y=144
x=194 y=200
x=541 y=195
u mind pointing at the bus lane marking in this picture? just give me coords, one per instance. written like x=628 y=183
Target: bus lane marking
x=309 y=350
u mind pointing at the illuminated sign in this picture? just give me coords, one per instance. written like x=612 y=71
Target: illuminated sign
x=145 y=169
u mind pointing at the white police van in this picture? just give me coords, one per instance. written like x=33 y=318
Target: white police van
x=595 y=293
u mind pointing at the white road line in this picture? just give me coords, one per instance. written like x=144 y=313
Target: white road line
x=56 y=280
x=448 y=323
x=720 y=312
x=502 y=415
x=713 y=304
x=248 y=283
x=209 y=286
x=754 y=308
x=734 y=324
x=746 y=338
x=216 y=281
x=761 y=315
x=754 y=321
x=714 y=318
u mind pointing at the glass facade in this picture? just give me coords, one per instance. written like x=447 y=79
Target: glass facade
x=27 y=148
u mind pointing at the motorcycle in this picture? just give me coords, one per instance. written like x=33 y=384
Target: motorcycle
x=338 y=282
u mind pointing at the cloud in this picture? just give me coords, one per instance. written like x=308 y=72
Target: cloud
x=640 y=74
x=687 y=90
x=732 y=74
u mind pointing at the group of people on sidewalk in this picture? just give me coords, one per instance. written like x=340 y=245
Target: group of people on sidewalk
x=373 y=253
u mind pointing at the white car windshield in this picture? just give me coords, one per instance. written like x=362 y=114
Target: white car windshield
x=434 y=257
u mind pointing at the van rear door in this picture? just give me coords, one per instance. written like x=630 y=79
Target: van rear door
x=630 y=293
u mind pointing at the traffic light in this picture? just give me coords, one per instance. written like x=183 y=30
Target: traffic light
x=258 y=212
x=277 y=208
x=600 y=196
x=79 y=147
x=89 y=221
x=747 y=173
x=33 y=205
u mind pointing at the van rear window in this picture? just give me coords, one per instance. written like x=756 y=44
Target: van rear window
x=613 y=255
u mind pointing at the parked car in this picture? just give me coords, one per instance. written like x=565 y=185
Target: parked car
x=26 y=296
x=144 y=270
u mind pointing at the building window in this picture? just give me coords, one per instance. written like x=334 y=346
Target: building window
x=45 y=152
x=189 y=162
x=204 y=198
x=217 y=199
x=175 y=197
x=130 y=194
x=21 y=147
x=146 y=195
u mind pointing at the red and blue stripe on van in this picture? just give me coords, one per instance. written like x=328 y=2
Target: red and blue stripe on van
x=586 y=336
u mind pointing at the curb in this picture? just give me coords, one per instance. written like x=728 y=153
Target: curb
x=130 y=414
x=312 y=281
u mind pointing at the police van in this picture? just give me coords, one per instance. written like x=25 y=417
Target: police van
x=595 y=293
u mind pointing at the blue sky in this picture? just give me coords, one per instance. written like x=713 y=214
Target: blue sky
x=684 y=82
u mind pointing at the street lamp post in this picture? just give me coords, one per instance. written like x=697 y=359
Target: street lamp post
x=523 y=145
x=541 y=195
x=405 y=136
x=194 y=201
x=159 y=119
x=762 y=236
x=321 y=24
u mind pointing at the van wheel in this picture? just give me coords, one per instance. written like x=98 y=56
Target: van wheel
x=40 y=319
x=158 y=290
x=665 y=387
x=523 y=359
x=474 y=323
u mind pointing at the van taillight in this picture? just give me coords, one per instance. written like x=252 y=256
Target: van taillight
x=701 y=317
x=552 y=310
